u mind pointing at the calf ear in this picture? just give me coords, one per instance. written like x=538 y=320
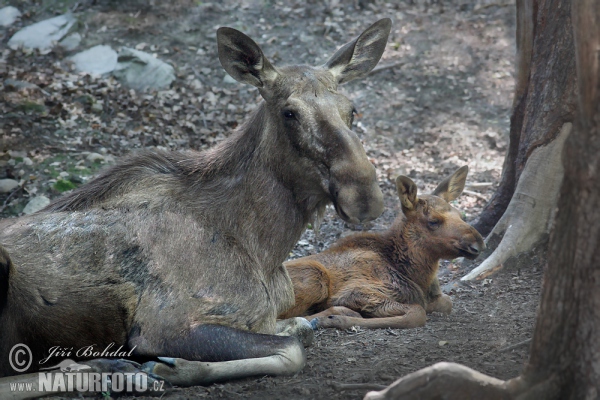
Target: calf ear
x=358 y=57
x=243 y=59
x=407 y=191
x=452 y=186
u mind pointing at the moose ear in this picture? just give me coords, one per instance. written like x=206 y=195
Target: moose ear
x=452 y=186
x=358 y=57
x=407 y=191
x=243 y=59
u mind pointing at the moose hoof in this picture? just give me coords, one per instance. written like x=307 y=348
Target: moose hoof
x=298 y=327
x=104 y=365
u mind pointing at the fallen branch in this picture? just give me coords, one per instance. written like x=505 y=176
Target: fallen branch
x=385 y=67
x=445 y=380
x=474 y=194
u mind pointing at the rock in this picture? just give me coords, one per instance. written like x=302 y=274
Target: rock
x=36 y=204
x=8 y=15
x=15 y=85
x=7 y=185
x=228 y=79
x=95 y=157
x=97 y=60
x=43 y=34
x=97 y=107
x=141 y=71
x=27 y=161
x=71 y=42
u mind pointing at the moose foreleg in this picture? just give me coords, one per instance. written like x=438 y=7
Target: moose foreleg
x=212 y=353
x=413 y=316
x=436 y=300
x=298 y=327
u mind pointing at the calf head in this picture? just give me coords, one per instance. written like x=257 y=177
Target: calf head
x=306 y=111
x=433 y=224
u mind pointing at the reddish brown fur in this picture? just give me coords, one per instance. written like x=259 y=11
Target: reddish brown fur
x=389 y=277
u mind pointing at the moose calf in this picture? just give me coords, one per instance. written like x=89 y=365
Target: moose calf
x=388 y=278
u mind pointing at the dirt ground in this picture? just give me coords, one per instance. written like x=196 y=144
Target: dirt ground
x=439 y=99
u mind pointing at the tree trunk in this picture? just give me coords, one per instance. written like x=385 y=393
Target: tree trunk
x=565 y=353
x=521 y=210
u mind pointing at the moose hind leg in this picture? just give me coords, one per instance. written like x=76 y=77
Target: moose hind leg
x=213 y=353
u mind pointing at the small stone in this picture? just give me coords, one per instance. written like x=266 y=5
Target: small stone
x=36 y=204
x=97 y=107
x=8 y=15
x=442 y=343
x=95 y=157
x=7 y=185
x=15 y=85
x=229 y=79
x=142 y=71
x=71 y=42
x=97 y=60
x=27 y=161
x=42 y=35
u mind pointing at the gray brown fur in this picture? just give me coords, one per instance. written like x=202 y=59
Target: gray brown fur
x=166 y=243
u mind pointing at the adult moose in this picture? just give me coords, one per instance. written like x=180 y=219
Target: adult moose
x=179 y=254
x=391 y=277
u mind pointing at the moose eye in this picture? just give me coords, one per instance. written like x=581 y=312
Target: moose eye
x=434 y=223
x=289 y=115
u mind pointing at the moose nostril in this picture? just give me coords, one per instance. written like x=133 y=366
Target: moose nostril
x=474 y=249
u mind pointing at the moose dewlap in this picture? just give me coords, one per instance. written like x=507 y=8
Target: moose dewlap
x=179 y=255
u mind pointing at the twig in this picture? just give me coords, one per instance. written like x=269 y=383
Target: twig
x=469 y=311
x=384 y=67
x=18 y=188
x=514 y=346
x=356 y=386
x=479 y=185
x=471 y=193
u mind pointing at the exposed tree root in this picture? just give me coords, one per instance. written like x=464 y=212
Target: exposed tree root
x=529 y=213
x=445 y=380
x=450 y=381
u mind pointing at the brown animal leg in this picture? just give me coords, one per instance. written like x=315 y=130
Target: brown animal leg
x=212 y=353
x=442 y=304
x=413 y=317
x=436 y=300
x=298 y=327
x=335 y=310
x=311 y=286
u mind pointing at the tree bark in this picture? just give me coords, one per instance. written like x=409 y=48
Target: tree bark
x=522 y=208
x=565 y=355
x=544 y=93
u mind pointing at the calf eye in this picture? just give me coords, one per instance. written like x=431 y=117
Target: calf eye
x=289 y=115
x=434 y=223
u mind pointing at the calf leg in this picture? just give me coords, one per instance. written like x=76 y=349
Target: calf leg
x=413 y=315
x=212 y=353
x=311 y=286
x=436 y=300
x=335 y=310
